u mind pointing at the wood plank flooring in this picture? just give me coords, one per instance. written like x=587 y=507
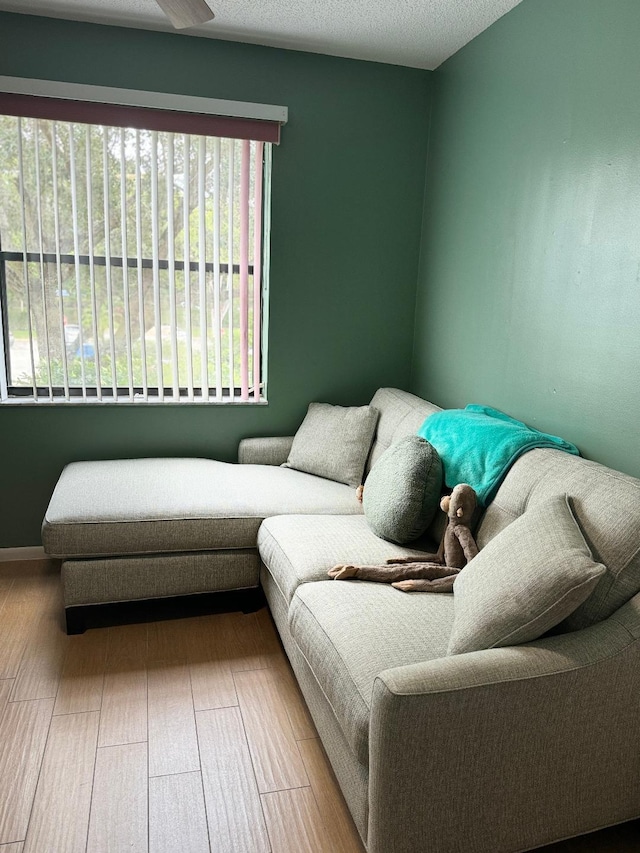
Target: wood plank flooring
x=189 y=734
x=185 y=734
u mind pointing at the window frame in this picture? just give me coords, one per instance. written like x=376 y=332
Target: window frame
x=54 y=96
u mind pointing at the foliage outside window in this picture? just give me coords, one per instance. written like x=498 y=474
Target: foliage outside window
x=130 y=263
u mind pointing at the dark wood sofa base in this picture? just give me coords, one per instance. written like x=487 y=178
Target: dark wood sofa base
x=81 y=617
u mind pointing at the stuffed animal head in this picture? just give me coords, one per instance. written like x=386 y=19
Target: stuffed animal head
x=460 y=504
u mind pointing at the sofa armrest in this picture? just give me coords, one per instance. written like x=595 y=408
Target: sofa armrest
x=264 y=451
x=507 y=749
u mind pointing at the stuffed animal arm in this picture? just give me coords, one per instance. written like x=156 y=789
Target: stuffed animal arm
x=467 y=542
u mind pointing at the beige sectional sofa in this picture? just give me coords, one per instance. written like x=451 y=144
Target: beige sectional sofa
x=491 y=751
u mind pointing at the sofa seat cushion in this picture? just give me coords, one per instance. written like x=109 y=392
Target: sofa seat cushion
x=301 y=548
x=138 y=506
x=351 y=631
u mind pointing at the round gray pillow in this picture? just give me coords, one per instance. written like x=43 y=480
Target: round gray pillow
x=402 y=492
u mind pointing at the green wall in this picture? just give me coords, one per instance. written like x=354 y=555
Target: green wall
x=348 y=183
x=529 y=287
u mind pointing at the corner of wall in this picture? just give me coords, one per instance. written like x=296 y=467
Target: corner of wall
x=433 y=81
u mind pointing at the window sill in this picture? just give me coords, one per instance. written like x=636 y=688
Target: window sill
x=125 y=401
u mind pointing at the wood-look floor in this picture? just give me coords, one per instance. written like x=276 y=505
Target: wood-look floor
x=180 y=735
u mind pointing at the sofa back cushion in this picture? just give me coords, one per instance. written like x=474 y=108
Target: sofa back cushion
x=400 y=414
x=606 y=505
x=524 y=582
x=334 y=442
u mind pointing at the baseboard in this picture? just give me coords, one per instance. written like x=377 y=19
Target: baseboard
x=31 y=552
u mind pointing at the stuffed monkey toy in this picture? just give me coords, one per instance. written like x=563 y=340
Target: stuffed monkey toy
x=428 y=572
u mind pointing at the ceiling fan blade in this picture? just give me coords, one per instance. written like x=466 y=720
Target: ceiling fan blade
x=186 y=13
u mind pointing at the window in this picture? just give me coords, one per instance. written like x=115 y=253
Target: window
x=133 y=254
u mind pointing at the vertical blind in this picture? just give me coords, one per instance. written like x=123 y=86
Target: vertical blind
x=131 y=257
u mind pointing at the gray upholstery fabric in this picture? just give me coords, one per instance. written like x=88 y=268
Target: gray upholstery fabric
x=510 y=748
x=403 y=490
x=137 y=506
x=334 y=442
x=606 y=505
x=264 y=451
x=301 y=548
x=400 y=414
x=488 y=752
x=350 y=631
x=352 y=775
x=525 y=581
x=158 y=576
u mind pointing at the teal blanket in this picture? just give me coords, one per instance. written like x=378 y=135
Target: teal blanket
x=478 y=445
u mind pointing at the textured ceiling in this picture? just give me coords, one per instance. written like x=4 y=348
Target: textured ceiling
x=417 y=33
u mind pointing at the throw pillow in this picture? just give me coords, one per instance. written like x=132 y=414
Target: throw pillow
x=333 y=442
x=402 y=492
x=525 y=581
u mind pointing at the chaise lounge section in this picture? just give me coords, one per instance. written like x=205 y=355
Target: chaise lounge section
x=138 y=529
